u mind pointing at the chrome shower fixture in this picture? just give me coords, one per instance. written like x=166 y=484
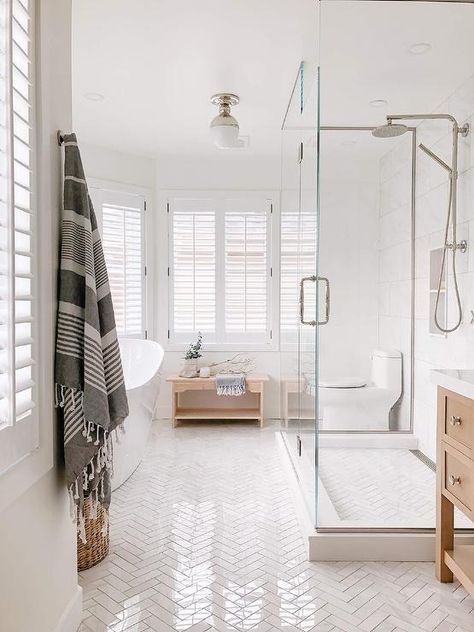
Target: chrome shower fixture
x=389 y=131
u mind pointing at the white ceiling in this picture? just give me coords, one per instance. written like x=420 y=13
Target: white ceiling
x=157 y=62
x=364 y=56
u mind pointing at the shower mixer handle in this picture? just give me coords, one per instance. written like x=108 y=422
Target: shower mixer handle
x=461 y=246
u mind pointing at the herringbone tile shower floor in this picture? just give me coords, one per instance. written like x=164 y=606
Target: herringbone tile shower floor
x=204 y=538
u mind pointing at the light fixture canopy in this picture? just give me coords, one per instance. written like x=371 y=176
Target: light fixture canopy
x=224 y=127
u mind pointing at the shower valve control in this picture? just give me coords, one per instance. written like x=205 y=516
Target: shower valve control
x=454 y=480
x=461 y=246
x=455 y=421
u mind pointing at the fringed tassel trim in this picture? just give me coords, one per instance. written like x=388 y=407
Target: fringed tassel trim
x=235 y=389
x=95 y=471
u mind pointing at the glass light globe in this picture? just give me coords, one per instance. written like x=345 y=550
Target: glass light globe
x=224 y=131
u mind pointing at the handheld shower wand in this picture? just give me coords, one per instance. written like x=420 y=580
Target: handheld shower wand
x=390 y=130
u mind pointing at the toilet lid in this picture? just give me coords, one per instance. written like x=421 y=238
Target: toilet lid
x=343 y=382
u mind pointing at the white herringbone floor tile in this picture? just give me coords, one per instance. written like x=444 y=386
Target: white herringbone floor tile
x=204 y=538
x=402 y=493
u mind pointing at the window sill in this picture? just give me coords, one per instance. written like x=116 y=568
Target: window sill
x=225 y=348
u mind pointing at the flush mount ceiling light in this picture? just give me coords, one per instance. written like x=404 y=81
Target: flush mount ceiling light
x=420 y=48
x=94 y=96
x=378 y=103
x=224 y=127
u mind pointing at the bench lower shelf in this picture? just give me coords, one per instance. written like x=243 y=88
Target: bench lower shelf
x=217 y=413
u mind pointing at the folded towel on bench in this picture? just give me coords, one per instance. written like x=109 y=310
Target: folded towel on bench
x=230 y=383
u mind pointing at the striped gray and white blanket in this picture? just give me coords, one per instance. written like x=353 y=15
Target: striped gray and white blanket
x=88 y=373
x=230 y=384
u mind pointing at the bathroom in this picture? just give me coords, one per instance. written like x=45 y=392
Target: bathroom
x=293 y=183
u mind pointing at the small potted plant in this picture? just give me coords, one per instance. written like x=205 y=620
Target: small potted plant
x=193 y=353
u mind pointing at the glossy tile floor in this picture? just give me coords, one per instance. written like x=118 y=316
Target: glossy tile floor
x=204 y=538
x=381 y=487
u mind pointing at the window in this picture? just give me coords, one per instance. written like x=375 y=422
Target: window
x=121 y=222
x=298 y=259
x=220 y=272
x=18 y=419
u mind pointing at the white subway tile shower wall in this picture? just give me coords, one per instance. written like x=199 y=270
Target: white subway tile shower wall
x=431 y=351
x=395 y=283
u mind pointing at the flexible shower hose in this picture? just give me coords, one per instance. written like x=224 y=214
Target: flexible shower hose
x=443 y=265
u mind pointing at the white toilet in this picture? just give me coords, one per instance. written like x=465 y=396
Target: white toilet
x=352 y=403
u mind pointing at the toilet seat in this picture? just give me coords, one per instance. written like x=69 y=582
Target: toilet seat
x=343 y=382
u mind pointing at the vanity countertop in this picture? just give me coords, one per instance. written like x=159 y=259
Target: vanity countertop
x=458 y=380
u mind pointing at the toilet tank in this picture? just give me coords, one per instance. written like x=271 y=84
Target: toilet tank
x=387 y=369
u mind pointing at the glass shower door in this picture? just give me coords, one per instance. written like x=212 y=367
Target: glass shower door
x=299 y=283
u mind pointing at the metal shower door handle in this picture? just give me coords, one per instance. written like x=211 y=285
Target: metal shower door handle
x=315 y=279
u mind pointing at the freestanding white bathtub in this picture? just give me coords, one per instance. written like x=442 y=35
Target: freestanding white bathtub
x=141 y=360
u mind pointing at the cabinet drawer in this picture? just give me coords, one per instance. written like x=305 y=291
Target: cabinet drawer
x=458 y=423
x=458 y=478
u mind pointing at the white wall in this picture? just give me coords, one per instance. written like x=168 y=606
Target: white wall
x=114 y=166
x=348 y=257
x=456 y=349
x=38 y=580
x=226 y=171
x=395 y=264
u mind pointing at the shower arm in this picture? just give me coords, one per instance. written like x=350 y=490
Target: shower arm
x=453 y=170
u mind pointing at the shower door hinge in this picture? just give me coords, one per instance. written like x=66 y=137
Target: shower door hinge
x=146 y=271
x=168 y=334
x=300 y=153
x=168 y=271
x=167 y=207
x=146 y=334
x=271 y=334
x=298 y=445
x=271 y=272
x=144 y=205
x=271 y=208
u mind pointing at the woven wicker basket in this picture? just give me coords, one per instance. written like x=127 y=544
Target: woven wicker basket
x=97 y=544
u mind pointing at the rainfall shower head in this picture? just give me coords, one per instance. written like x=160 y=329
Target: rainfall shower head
x=389 y=130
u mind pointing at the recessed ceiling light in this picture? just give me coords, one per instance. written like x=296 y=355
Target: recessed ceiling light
x=420 y=49
x=378 y=103
x=94 y=96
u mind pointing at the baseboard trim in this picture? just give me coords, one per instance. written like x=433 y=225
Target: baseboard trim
x=72 y=615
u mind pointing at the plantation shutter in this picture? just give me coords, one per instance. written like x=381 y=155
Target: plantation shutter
x=220 y=275
x=193 y=268
x=122 y=241
x=298 y=259
x=17 y=223
x=247 y=270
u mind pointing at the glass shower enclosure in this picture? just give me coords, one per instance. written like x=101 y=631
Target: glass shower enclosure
x=361 y=230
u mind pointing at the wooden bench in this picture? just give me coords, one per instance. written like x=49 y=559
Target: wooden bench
x=254 y=384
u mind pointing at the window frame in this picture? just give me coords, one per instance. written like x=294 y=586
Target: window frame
x=97 y=187
x=166 y=276
x=22 y=438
